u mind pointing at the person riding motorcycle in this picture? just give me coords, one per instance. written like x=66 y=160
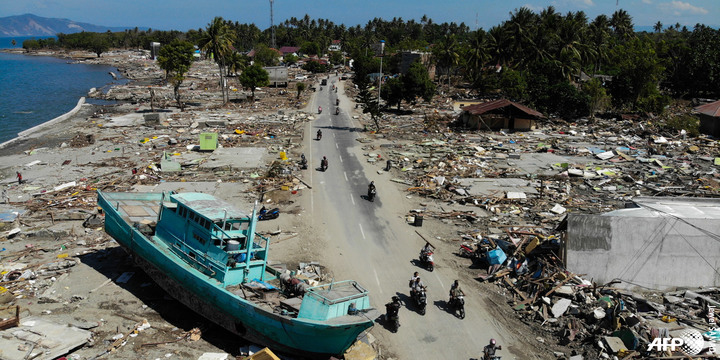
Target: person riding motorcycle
x=303 y=162
x=427 y=249
x=319 y=109
x=318 y=135
x=337 y=102
x=324 y=163
x=411 y=284
x=392 y=309
x=337 y=111
x=489 y=350
x=455 y=291
x=417 y=287
x=371 y=191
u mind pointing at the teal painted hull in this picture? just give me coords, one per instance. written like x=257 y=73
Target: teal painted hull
x=208 y=297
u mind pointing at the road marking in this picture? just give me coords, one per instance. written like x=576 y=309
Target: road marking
x=378 y=280
x=346 y=178
x=336 y=146
x=352 y=198
x=340 y=158
x=440 y=281
x=361 y=231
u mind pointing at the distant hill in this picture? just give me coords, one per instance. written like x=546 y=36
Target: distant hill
x=33 y=25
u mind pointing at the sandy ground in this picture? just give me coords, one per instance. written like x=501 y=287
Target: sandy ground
x=89 y=294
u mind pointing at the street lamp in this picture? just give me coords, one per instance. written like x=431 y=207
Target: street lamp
x=382 y=54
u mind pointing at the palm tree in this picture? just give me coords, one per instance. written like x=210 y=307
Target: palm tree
x=217 y=41
x=446 y=54
x=520 y=28
x=621 y=23
x=236 y=63
x=476 y=56
x=599 y=34
x=658 y=27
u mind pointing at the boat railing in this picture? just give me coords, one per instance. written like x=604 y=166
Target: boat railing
x=212 y=272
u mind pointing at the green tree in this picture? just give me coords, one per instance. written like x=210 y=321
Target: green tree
x=658 y=27
x=599 y=99
x=266 y=56
x=336 y=58
x=98 y=43
x=637 y=73
x=300 y=87
x=622 y=25
x=393 y=92
x=447 y=55
x=290 y=59
x=254 y=76
x=513 y=84
x=13 y=42
x=176 y=58
x=237 y=62
x=217 y=42
x=417 y=83
x=311 y=48
x=315 y=67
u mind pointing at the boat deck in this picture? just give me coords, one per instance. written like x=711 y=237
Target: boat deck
x=133 y=209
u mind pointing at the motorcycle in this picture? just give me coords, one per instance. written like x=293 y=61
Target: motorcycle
x=303 y=164
x=318 y=135
x=337 y=111
x=320 y=107
x=265 y=214
x=420 y=300
x=457 y=305
x=337 y=102
x=426 y=260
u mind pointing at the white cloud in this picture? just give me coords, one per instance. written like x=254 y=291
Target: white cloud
x=647 y=1
x=679 y=7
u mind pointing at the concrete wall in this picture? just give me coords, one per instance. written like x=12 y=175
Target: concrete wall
x=656 y=252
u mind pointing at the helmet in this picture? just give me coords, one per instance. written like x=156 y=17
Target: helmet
x=395 y=299
x=492 y=342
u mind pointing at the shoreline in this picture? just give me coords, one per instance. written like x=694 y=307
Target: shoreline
x=28 y=132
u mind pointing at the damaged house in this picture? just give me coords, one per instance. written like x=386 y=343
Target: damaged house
x=499 y=114
x=656 y=242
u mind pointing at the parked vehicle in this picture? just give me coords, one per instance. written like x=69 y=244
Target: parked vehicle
x=265 y=214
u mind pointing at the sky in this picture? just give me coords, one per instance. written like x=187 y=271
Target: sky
x=193 y=14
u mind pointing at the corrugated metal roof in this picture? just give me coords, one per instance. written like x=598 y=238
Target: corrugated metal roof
x=685 y=208
x=479 y=109
x=712 y=109
x=209 y=206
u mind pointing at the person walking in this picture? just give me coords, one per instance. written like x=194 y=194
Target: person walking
x=19 y=177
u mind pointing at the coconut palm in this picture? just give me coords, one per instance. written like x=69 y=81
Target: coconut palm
x=520 y=28
x=658 y=26
x=476 y=56
x=217 y=42
x=599 y=33
x=447 y=55
x=621 y=23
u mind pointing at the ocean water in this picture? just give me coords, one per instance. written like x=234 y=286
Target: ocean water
x=36 y=89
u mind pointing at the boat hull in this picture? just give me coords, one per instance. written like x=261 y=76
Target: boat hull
x=208 y=298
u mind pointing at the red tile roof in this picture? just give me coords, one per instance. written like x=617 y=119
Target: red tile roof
x=289 y=49
x=479 y=109
x=712 y=109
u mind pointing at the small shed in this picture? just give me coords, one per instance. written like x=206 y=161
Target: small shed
x=710 y=118
x=208 y=141
x=499 y=114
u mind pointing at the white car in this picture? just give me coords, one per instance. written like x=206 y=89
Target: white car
x=300 y=77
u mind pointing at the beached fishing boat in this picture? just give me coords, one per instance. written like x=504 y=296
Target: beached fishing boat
x=205 y=253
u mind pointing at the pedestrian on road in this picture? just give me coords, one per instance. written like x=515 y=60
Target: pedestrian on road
x=19 y=177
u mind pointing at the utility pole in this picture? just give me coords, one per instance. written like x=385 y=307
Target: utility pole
x=272 y=27
x=382 y=54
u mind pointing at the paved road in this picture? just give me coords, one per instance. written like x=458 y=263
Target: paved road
x=373 y=244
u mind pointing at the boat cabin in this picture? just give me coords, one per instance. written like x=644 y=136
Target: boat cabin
x=214 y=237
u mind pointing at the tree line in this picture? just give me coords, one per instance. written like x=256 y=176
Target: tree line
x=562 y=64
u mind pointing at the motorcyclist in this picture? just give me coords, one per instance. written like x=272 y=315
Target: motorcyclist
x=337 y=110
x=392 y=309
x=455 y=291
x=320 y=107
x=427 y=249
x=411 y=284
x=418 y=286
x=337 y=101
x=489 y=350
x=319 y=134
x=371 y=190
x=324 y=163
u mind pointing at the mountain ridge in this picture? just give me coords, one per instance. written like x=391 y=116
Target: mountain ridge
x=33 y=25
